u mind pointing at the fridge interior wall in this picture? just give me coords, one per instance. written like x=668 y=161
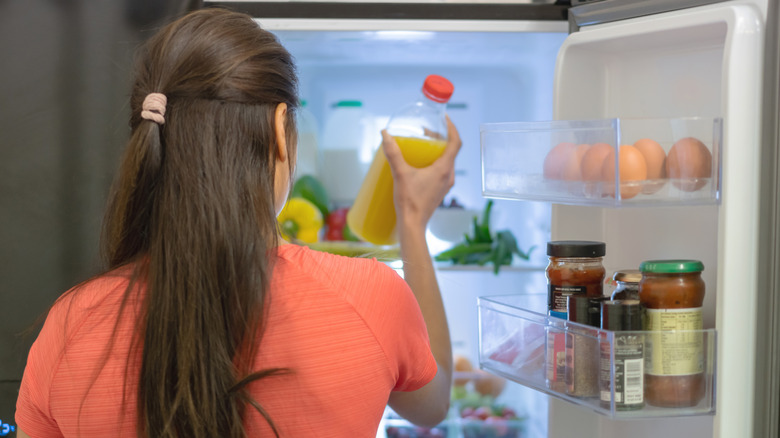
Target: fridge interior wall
x=497 y=77
x=697 y=62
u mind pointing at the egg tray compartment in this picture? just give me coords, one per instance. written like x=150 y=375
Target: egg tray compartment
x=530 y=161
x=513 y=340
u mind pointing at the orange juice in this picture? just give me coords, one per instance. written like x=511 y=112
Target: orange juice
x=372 y=216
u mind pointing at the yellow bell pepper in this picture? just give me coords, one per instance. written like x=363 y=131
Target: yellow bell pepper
x=300 y=219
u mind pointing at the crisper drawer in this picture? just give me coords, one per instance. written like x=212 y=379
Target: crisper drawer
x=615 y=374
x=606 y=162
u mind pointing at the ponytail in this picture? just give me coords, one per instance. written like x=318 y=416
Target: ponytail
x=193 y=209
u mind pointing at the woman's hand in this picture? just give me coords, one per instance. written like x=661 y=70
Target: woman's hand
x=418 y=192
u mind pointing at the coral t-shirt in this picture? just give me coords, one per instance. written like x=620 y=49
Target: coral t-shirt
x=350 y=330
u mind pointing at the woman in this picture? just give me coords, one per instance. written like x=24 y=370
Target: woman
x=205 y=323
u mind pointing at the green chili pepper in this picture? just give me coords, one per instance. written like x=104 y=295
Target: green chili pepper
x=483 y=248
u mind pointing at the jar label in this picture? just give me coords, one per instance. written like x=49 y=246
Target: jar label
x=557 y=296
x=582 y=365
x=556 y=359
x=669 y=353
x=628 y=371
x=605 y=377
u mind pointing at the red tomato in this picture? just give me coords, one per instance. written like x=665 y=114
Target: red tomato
x=483 y=412
x=335 y=223
x=338 y=217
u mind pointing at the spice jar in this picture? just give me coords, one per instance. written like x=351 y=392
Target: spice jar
x=672 y=293
x=582 y=346
x=574 y=269
x=627 y=282
x=622 y=360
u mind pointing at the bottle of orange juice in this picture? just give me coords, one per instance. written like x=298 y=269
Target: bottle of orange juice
x=420 y=129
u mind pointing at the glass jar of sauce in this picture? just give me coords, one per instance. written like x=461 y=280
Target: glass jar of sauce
x=672 y=294
x=574 y=268
x=627 y=282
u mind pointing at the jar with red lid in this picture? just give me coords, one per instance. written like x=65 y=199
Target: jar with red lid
x=672 y=295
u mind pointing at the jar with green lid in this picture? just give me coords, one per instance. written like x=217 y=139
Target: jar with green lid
x=627 y=284
x=672 y=295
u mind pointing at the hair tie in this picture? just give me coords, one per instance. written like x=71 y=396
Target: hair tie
x=153 y=108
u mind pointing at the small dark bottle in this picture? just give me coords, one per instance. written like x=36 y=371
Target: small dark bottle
x=624 y=318
x=582 y=346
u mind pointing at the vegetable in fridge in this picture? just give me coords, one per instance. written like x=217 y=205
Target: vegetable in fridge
x=300 y=220
x=484 y=247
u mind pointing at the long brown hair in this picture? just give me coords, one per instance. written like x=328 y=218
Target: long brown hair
x=193 y=209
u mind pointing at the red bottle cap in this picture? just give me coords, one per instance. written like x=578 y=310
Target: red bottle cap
x=437 y=88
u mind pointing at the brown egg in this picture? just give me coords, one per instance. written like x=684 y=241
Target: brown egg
x=556 y=159
x=688 y=163
x=489 y=384
x=656 y=164
x=463 y=367
x=654 y=156
x=593 y=160
x=571 y=168
x=632 y=167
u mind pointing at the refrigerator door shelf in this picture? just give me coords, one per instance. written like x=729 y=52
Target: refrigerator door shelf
x=563 y=161
x=516 y=339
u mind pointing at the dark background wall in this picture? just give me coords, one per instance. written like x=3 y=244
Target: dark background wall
x=64 y=86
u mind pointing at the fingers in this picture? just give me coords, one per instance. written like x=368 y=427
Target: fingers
x=393 y=153
x=453 y=141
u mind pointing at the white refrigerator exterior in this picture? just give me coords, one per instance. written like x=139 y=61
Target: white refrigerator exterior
x=705 y=61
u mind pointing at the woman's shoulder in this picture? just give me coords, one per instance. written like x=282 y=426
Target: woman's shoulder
x=101 y=295
x=362 y=282
x=337 y=268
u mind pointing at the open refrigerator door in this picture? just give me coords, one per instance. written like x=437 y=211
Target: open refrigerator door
x=671 y=74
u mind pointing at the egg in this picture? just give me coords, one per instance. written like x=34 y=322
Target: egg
x=556 y=159
x=654 y=156
x=462 y=365
x=592 y=161
x=688 y=163
x=632 y=167
x=656 y=164
x=489 y=384
x=571 y=168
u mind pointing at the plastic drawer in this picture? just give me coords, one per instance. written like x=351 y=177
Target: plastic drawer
x=547 y=161
x=515 y=334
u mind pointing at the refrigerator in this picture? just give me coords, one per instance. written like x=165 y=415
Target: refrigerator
x=529 y=74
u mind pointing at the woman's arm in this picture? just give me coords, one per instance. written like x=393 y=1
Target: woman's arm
x=417 y=194
x=20 y=434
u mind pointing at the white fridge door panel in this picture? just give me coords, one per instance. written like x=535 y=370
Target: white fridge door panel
x=704 y=61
